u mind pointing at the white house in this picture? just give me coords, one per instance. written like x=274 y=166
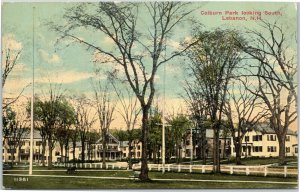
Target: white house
x=263 y=142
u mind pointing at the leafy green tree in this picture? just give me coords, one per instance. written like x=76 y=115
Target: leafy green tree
x=14 y=128
x=92 y=137
x=179 y=126
x=155 y=135
x=66 y=118
x=213 y=60
x=47 y=114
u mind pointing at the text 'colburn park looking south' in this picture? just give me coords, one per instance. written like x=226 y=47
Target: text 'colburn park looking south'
x=233 y=15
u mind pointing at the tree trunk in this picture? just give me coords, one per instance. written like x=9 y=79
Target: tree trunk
x=238 y=148
x=281 y=140
x=216 y=154
x=130 y=155
x=82 y=151
x=203 y=146
x=19 y=154
x=144 y=166
x=89 y=151
x=104 y=149
x=43 y=151
x=224 y=147
x=50 y=153
x=154 y=154
x=66 y=152
x=12 y=153
x=61 y=152
x=74 y=146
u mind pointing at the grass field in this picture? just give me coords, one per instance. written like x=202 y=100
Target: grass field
x=208 y=181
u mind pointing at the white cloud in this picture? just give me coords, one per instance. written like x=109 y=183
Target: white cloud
x=54 y=58
x=13 y=87
x=174 y=44
x=65 y=77
x=108 y=40
x=10 y=42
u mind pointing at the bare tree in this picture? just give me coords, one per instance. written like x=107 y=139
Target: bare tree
x=14 y=129
x=129 y=112
x=92 y=137
x=74 y=134
x=85 y=119
x=105 y=109
x=195 y=100
x=10 y=57
x=243 y=111
x=213 y=60
x=138 y=46
x=275 y=71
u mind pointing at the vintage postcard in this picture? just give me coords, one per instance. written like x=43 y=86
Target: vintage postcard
x=149 y=95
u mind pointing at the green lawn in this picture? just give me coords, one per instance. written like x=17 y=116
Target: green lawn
x=96 y=183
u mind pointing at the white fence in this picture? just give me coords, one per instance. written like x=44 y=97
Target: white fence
x=93 y=165
x=231 y=169
x=284 y=171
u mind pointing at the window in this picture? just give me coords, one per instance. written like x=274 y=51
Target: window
x=124 y=154
x=287 y=149
x=138 y=147
x=22 y=143
x=257 y=138
x=246 y=138
x=22 y=150
x=271 y=148
x=138 y=154
x=187 y=142
x=38 y=143
x=57 y=153
x=11 y=143
x=257 y=149
x=244 y=148
x=11 y=151
x=287 y=138
x=271 y=137
x=10 y=158
x=296 y=150
x=228 y=142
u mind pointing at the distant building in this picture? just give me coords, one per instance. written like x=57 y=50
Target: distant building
x=25 y=150
x=136 y=149
x=259 y=142
x=113 y=151
x=263 y=142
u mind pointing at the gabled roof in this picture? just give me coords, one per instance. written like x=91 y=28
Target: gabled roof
x=99 y=141
x=266 y=129
x=124 y=143
x=36 y=134
x=210 y=133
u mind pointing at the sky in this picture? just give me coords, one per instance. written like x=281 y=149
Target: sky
x=73 y=66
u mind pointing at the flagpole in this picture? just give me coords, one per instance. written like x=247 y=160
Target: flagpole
x=163 y=125
x=32 y=97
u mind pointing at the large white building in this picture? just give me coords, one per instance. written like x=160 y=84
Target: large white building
x=263 y=142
